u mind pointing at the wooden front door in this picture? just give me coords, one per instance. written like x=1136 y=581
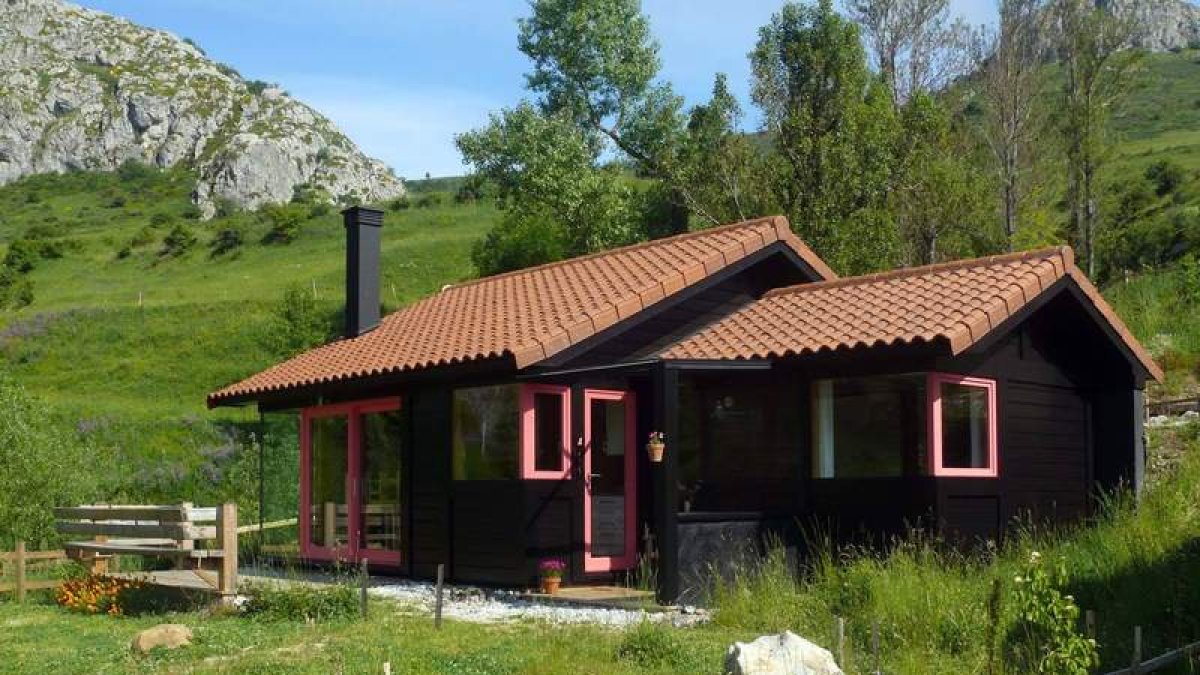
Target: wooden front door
x=610 y=480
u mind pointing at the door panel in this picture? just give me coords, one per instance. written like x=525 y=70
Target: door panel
x=610 y=488
x=378 y=518
x=326 y=477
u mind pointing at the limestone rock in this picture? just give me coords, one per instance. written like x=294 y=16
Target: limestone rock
x=164 y=635
x=783 y=654
x=81 y=89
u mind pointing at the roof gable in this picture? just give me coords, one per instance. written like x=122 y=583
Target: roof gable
x=528 y=315
x=955 y=303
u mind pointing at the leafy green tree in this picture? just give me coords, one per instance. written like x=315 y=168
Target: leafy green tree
x=939 y=198
x=1097 y=71
x=299 y=323
x=833 y=130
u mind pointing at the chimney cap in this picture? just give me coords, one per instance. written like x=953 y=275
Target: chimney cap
x=363 y=215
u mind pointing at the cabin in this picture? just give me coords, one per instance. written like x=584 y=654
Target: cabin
x=506 y=420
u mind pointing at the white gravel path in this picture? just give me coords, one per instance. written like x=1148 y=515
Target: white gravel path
x=467 y=603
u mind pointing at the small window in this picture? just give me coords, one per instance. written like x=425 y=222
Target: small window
x=545 y=424
x=486 y=433
x=962 y=426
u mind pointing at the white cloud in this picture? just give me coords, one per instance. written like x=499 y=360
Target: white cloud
x=411 y=130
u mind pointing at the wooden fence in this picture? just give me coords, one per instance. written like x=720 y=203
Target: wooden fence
x=19 y=561
x=1173 y=407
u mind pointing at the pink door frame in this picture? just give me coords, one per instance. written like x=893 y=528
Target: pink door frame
x=353 y=412
x=629 y=559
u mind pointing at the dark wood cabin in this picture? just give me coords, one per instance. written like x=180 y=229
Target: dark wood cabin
x=503 y=421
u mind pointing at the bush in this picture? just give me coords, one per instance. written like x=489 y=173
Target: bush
x=42 y=465
x=1166 y=176
x=518 y=242
x=400 y=204
x=143 y=237
x=429 y=200
x=22 y=255
x=1046 y=638
x=280 y=601
x=285 y=222
x=299 y=323
x=95 y=594
x=178 y=241
x=160 y=219
x=226 y=240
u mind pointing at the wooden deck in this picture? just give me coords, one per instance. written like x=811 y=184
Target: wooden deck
x=617 y=597
x=192 y=580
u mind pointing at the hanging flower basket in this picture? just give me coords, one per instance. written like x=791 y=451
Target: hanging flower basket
x=655 y=446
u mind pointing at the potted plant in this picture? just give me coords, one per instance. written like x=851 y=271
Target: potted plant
x=655 y=446
x=551 y=572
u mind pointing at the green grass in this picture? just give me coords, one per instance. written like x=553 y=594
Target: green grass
x=42 y=638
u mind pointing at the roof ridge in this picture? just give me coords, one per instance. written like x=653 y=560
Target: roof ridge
x=1067 y=254
x=622 y=249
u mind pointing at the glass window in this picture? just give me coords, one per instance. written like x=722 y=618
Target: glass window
x=548 y=432
x=485 y=429
x=329 y=517
x=382 y=437
x=869 y=427
x=963 y=409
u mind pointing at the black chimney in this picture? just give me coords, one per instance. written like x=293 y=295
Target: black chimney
x=362 y=268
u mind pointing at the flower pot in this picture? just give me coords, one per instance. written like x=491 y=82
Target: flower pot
x=550 y=585
x=655 y=451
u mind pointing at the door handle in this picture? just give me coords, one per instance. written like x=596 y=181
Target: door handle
x=594 y=475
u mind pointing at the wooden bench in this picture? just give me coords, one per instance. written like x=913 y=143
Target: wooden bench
x=169 y=532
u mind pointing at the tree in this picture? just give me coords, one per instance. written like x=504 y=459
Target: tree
x=833 y=128
x=1097 y=71
x=1010 y=89
x=939 y=197
x=914 y=43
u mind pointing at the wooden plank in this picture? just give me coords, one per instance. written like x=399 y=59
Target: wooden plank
x=165 y=514
x=20 y=571
x=132 y=549
x=30 y=586
x=174 y=531
x=31 y=556
x=269 y=525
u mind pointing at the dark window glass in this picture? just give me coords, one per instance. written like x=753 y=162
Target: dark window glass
x=607 y=447
x=964 y=426
x=547 y=434
x=328 y=526
x=382 y=439
x=486 y=433
x=871 y=427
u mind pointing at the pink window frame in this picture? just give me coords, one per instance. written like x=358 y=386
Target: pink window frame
x=352 y=411
x=528 y=432
x=629 y=559
x=933 y=391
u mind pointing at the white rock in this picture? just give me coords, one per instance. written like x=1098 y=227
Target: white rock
x=784 y=654
x=81 y=89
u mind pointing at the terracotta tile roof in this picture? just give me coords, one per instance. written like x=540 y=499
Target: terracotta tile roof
x=528 y=315
x=957 y=303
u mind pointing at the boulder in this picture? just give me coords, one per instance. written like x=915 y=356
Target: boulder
x=783 y=654
x=164 y=635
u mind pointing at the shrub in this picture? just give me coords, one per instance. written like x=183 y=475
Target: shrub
x=299 y=323
x=400 y=204
x=279 y=601
x=1166 y=176
x=227 y=239
x=1046 y=638
x=37 y=456
x=159 y=219
x=517 y=242
x=178 y=241
x=22 y=255
x=16 y=291
x=285 y=222
x=143 y=237
x=429 y=200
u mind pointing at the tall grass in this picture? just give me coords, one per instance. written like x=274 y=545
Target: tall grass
x=1134 y=565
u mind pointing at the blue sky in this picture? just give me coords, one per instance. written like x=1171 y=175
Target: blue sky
x=401 y=77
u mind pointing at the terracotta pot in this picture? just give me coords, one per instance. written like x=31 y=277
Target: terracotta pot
x=550 y=585
x=655 y=450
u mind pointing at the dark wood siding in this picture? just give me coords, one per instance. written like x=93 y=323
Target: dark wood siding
x=430 y=481
x=1045 y=452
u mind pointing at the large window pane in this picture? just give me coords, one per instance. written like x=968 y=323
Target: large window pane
x=870 y=427
x=548 y=432
x=607 y=448
x=964 y=426
x=485 y=432
x=328 y=525
x=382 y=439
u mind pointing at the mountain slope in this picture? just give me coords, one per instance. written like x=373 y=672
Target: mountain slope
x=81 y=89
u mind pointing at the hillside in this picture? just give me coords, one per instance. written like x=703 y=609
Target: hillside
x=83 y=90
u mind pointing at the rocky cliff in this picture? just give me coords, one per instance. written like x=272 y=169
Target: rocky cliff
x=1161 y=25
x=81 y=89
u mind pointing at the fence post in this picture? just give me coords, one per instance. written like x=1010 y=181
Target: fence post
x=839 y=640
x=875 y=644
x=437 y=610
x=20 y=571
x=1137 y=651
x=227 y=541
x=1089 y=623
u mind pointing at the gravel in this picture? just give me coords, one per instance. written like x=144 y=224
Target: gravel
x=478 y=605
